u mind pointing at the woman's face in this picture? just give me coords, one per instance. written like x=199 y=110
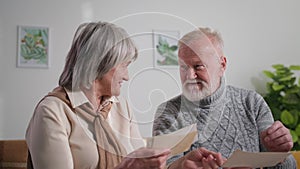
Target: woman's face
x=110 y=84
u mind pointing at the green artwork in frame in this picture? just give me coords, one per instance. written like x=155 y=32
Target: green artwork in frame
x=33 y=47
x=165 y=48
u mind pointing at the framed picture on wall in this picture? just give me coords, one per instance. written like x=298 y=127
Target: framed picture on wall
x=165 y=48
x=33 y=47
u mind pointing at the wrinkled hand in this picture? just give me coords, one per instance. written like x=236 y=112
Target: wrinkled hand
x=277 y=138
x=203 y=159
x=145 y=158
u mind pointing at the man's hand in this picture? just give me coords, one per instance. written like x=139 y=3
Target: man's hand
x=277 y=138
x=202 y=158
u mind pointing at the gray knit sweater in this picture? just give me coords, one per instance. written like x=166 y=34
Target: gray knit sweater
x=230 y=119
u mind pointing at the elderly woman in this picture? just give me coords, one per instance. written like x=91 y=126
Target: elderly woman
x=82 y=123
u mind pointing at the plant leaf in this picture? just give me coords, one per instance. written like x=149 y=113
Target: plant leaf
x=287 y=78
x=277 y=87
x=294 y=67
x=268 y=74
x=287 y=118
x=278 y=66
x=294 y=135
x=173 y=48
x=291 y=98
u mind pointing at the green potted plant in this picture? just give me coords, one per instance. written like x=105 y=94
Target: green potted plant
x=283 y=97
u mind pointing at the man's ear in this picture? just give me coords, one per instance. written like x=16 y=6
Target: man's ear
x=223 y=63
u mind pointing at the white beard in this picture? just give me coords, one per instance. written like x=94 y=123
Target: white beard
x=193 y=92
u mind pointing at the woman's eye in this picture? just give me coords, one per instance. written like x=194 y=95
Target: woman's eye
x=128 y=63
x=125 y=65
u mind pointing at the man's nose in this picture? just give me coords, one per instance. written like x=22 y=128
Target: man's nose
x=191 y=73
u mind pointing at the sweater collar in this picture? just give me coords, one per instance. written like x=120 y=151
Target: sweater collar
x=207 y=112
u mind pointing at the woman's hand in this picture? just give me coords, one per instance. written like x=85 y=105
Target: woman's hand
x=145 y=158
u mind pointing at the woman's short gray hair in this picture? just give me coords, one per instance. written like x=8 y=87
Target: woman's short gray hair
x=97 y=47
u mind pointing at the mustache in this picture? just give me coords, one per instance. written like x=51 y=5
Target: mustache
x=188 y=81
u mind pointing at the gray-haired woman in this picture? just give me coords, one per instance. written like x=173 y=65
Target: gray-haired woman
x=82 y=123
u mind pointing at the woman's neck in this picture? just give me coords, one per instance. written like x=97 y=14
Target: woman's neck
x=93 y=96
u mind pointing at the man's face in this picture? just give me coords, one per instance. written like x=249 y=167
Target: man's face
x=112 y=81
x=201 y=69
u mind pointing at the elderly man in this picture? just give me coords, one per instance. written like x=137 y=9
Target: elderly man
x=228 y=118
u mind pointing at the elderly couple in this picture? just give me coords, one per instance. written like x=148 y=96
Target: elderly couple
x=83 y=123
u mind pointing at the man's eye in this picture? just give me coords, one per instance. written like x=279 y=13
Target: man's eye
x=199 y=67
x=184 y=67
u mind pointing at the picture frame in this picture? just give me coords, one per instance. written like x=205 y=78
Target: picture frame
x=165 y=48
x=33 y=47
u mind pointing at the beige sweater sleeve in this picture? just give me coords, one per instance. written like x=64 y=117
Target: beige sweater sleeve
x=47 y=137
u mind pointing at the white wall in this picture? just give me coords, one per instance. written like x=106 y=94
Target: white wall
x=256 y=34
